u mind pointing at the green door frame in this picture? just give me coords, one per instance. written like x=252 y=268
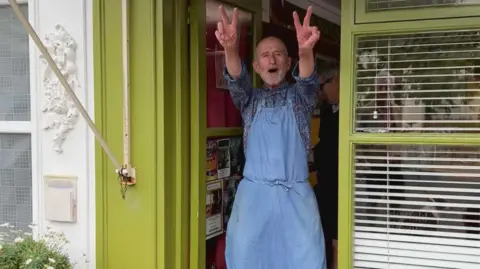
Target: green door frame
x=199 y=131
x=378 y=24
x=149 y=229
x=417 y=13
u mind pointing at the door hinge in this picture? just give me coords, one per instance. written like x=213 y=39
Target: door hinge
x=188 y=15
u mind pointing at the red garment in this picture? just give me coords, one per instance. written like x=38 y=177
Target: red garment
x=220 y=252
x=216 y=114
x=221 y=111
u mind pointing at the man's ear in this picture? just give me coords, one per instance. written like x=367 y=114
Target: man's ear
x=289 y=61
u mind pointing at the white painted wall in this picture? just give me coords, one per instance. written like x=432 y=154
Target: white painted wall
x=77 y=158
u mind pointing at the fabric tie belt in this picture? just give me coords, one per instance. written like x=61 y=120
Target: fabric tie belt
x=286 y=185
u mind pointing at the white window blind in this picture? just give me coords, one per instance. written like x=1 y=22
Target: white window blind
x=422 y=82
x=417 y=206
x=15 y=122
x=380 y=5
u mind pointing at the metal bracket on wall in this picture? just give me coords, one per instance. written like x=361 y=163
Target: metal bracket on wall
x=125 y=172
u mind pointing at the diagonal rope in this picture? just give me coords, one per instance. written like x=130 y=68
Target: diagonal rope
x=64 y=82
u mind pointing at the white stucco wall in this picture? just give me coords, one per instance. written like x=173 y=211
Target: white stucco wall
x=77 y=158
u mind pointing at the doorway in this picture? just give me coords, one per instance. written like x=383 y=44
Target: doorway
x=409 y=118
x=216 y=125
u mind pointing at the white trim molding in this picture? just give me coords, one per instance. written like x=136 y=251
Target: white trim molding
x=16 y=127
x=37 y=214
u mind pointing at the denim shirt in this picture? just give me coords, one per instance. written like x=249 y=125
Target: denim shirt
x=302 y=94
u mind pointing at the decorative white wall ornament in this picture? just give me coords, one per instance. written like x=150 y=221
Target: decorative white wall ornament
x=59 y=109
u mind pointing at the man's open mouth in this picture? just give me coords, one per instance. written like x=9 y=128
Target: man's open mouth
x=273 y=70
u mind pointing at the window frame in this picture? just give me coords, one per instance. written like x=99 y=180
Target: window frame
x=5 y=2
x=354 y=70
x=408 y=14
x=30 y=127
x=347 y=138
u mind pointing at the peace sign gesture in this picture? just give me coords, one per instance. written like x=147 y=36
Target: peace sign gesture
x=307 y=36
x=226 y=32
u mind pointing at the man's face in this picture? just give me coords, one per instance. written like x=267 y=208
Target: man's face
x=330 y=88
x=272 y=62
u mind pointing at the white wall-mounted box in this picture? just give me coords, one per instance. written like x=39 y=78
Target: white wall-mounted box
x=60 y=198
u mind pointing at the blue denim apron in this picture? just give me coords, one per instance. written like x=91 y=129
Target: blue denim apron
x=275 y=222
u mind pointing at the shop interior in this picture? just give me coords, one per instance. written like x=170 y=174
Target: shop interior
x=391 y=64
x=224 y=145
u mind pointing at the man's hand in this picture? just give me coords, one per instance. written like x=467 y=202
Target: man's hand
x=226 y=32
x=307 y=36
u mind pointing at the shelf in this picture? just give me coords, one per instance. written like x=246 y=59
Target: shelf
x=219 y=132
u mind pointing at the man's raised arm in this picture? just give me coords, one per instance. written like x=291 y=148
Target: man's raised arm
x=233 y=63
x=239 y=82
x=305 y=72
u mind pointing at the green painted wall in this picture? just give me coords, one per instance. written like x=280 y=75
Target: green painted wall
x=150 y=228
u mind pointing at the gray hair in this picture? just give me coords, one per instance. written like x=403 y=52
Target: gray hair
x=327 y=70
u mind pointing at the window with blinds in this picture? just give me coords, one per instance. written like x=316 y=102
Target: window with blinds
x=416 y=206
x=381 y=5
x=422 y=82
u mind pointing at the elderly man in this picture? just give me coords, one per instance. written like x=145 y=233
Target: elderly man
x=326 y=160
x=275 y=222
